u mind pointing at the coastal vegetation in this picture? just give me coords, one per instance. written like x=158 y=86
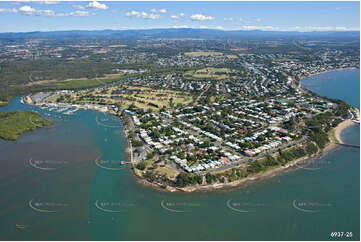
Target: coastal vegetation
x=15 y=123
x=20 y=77
x=320 y=126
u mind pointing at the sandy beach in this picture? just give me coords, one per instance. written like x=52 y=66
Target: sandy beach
x=340 y=127
x=28 y=100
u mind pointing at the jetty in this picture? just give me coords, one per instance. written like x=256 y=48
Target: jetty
x=348 y=145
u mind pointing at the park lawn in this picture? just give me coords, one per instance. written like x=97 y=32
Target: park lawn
x=75 y=83
x=212 y=99
x=15 y=123
x=203 y=53
x=281 y=59
x=116 y=46
x=168 y=172
x=142 y=97
x=232 y=56
x=81 y=83
x=211 y=73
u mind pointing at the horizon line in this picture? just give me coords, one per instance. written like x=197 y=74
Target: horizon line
x=180 y=27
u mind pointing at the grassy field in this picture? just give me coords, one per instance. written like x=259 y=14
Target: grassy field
x=76 y=83
x=141 y=97
x=116 y=46
x=3 y=104
x=210 y=73
x=332 y=136
x=14 y=123
x=159 y=168
x=203 y=53
x=70 y=84
x=232 y=56
x=209 y=53
x=168 y=172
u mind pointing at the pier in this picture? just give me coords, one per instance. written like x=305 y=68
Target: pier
x=349 y=145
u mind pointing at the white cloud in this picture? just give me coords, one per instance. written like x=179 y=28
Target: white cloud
x=297 y=28
x=150 y=16
x=78 y=6
x=163 y=10
x=255 y=27
x=248 y=21
x=177 y=16
x=97 y=6
x=79 y=13
x=201 y=17
x=180 y=26
x=252 y=27
x=8 y=10
x=37 y=2
x=48 y=2
x=228 y=19
x=47 y=13
x=28 y=10
x=133 y=13
x=136 y=14
x=329 y=28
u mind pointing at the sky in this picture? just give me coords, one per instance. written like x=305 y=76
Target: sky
x=27 y=16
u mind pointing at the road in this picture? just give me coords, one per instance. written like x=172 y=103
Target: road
x=205 y=90
x=248 y=160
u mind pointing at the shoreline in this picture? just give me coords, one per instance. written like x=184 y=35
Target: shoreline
x=341 y=127
x=257 y=177
x=266 y=174
x=244 y=181
x=302 y=77
x=323 y=72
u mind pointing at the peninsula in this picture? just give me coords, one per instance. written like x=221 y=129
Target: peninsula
x=15 y=123
x=198 y=113
x=221 y=131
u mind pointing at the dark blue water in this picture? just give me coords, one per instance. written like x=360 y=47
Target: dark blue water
x=342 y=84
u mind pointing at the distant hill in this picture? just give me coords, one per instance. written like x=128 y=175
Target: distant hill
x=172 y=33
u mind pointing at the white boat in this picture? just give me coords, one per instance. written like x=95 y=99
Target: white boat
x=62 y=110
x=71 y=111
